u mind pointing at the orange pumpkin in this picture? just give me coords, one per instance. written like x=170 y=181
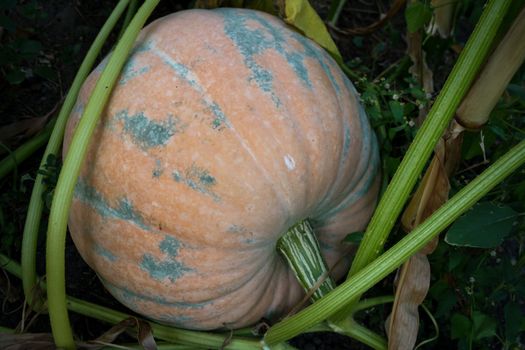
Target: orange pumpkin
x=226 y=128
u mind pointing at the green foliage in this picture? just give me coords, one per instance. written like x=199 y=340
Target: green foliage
x=354 y=238
x=8 y=238
x=417 y=15
x=484 y=226
x=475 y=294
x=13 y=204
x=21 y=54
x=50 y=173
x=392 y=105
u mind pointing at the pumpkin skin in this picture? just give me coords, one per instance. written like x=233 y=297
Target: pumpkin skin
x=226 y=128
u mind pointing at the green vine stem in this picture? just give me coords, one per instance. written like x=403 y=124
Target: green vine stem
x=132 y=9
x=159 y=347
x=353 y=287
x=167 y=333
x=194 y=338
x=36 y=204
x=10 y=266
x=56 y=236
x=442 y=111
x=371 y=302
x=336 y=7
x=25 y=150
x=300 y=248
x=351 y=328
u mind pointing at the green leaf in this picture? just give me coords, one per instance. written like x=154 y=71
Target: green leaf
x=417 y=14
x=456 y=259
x=393 y=131
x=29 y=47
x=483 y=326
x=45 y=72
x=484 y=226
x=460 y=326
x=358 y=41
x=517 y=90
x=378 y=50
x=519 y=191
x=301 y=15
x=7 y=4
x=15 y=77
x=397 y=111
x=445 y=297
x=513 y=319
x=391 y=165
x=261 y=5
x=471 y=143
x=354 y=237
x=7 y=23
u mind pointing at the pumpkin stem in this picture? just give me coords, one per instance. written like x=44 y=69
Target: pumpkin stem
x=300 y=248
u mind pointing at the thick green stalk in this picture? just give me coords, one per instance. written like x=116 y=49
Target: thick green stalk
x=364 y=279
x=501 y=66
x=36 y=204
x=421 y=148
x=25 y=150
x=300 y=248
x=58 y=217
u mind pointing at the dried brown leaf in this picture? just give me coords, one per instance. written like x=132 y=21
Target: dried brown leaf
x=443 y=17
x=27 y=341
x=431 y=193
x=145 y=335
x=414 y=277
x=413 y=281
x=419 y=69
x=142 y=329
x=24 y=128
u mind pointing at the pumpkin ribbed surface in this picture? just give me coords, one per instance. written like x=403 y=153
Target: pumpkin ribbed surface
x=225 y=129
